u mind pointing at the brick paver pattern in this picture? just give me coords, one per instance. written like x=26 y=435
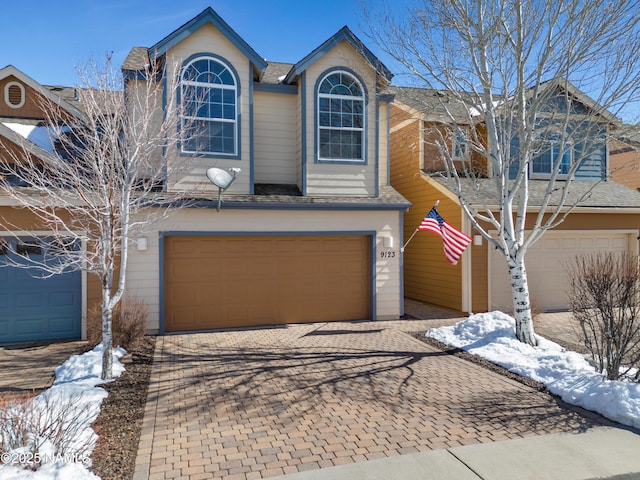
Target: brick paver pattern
x=257 y=403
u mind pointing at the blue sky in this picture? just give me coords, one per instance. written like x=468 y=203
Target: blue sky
x=47 y=39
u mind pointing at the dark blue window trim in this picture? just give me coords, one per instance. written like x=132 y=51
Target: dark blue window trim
x=238 y=124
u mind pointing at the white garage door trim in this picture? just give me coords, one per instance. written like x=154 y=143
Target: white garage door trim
x=83 y=272
x=632 y=246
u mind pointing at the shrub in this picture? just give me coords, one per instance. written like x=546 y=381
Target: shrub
x=45 y=429
x=129 y=323
x=604 y=299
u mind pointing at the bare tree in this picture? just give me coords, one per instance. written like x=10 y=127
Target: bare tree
x=510 y=76
x=101 y=183
x=604 y=299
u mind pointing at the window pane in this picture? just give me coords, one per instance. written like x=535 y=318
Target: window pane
x=565 y=163
x=209 y=103
x=339 y=116
x=542 y=163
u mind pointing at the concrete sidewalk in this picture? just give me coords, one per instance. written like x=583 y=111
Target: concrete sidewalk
x=598 y=453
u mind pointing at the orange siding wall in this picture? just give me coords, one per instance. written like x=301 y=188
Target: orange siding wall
x=624 y=166
x=428 y=276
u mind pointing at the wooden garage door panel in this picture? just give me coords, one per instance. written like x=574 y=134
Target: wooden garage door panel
x=546 y=268
x=216 y=282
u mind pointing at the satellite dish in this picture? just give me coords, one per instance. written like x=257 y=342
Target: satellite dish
x=222 y=179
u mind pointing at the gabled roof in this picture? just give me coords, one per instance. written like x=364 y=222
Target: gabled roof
x=207 y=16
x=433 y=105
x=344 y=34
x=580 y=96
x=10 y=70
x=444 y=106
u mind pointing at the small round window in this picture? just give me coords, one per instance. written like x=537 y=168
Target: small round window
x=14 y=94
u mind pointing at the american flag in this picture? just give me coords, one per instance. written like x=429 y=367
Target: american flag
x=454 y=240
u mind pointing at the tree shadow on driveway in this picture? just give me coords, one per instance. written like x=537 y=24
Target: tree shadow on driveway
x=329 y=382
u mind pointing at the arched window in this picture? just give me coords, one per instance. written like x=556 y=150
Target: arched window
x=208 y=93
x=341 y=118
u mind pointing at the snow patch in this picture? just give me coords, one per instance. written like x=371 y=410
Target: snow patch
x=565 y=373
x=75 y=384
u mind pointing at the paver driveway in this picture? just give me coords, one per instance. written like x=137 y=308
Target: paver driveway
x=256 y=403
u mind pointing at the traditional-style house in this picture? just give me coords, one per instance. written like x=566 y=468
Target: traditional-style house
x=607 y=215
x=309 y=231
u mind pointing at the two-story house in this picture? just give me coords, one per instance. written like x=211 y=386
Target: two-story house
x=607 y=219
x=310 y=229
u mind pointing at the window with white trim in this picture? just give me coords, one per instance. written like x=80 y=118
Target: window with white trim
x=209 y=120
x=543 y=164
x=341 y=118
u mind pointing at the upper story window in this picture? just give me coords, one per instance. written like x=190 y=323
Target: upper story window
x=14 y=94
x=341 y=118
x=209 y=96
x=543 y=165
x=460 y=150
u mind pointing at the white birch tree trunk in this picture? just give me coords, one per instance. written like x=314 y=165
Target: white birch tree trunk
x=521 y=300
x=511 y=79
x=107 y=336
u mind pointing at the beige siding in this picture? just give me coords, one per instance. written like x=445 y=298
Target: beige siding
x=141 y=96
x=275 y=143
x=143 y=272
x=584 y=222
x=299 y=156
x=383 y=149
x=189 y=173
x=341 y=179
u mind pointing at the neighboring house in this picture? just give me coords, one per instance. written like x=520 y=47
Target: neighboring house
x=608 y=219
x=34 y=308
x=310 y=231
x=625 y=160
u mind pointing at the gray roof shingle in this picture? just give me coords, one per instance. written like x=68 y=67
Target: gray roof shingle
x=389 y=198
x=607 y=194
x=137 y=59
x=434 y=104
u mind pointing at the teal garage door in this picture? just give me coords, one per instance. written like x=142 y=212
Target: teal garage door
x=33 y=308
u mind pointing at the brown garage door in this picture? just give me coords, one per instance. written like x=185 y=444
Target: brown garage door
x=231 y=281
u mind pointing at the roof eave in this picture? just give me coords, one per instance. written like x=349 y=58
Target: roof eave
x=10 y=70
x=207 y=16
x=343 y=34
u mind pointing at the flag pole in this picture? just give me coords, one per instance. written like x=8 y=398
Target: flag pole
x=416 y=230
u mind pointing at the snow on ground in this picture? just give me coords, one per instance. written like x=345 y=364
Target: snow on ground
x=565 y=373
x=75 y=388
